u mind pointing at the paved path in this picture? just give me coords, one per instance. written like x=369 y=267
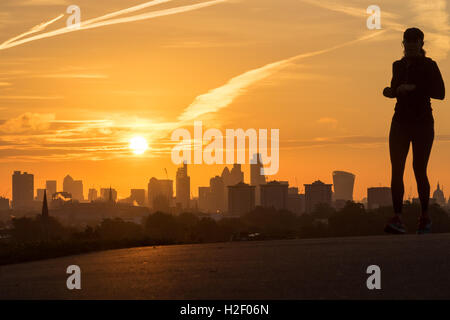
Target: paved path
x=412 y=266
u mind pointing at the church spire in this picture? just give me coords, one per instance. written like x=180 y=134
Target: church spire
x=44 y=205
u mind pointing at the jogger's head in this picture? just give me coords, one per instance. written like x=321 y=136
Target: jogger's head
x=413 y=42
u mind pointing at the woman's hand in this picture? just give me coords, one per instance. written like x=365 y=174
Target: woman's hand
x=405 y=88
x=388 y=92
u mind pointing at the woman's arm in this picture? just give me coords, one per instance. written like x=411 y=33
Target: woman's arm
x=391 y=92
x=436 y=88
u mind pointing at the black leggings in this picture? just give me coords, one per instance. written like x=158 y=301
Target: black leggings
x=421 y=134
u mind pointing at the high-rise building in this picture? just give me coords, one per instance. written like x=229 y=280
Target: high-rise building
x=160 y=194
x=50 y=185
x=138 y=195
x=274 y=194
x=204 y=199
x=183 y=186
x=22 y=190
x=74 y=187
x=92 y=195
x=230 y=179
x=315 y=193
x=257 y=176
x=241 y=199
x=77 y=192
x=378 y=197
x=108 y=194
x=217 y=194
x=343 y=183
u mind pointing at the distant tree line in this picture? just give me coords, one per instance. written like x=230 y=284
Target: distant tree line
x=40 y=237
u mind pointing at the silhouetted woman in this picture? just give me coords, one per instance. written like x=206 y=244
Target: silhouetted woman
x=415 y=79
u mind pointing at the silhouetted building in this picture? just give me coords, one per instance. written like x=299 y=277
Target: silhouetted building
x=230 y=179
x=204 y=199
x=74 y=187
x=241 y=199
x=378 y=197
x=4 y=204
x=274 y=194
x=138 y=195
x=44 y=205
x=108 y=194
x=217 y=194
x=183 y=194
x=23 y=190
x=257 y=177
x=160 y=194
x=59 y=199
x=92 y=195
x=343 y=183
x=438 y=196
x=50 y=185
x=315 y=193
x=295 y=201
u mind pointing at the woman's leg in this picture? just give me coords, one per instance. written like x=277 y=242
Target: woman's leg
x=399 y=141
x=422 y=143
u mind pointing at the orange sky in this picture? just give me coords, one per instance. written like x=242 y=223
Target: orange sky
x=70 y=103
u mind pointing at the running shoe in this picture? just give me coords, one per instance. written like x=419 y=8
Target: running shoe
x=424 y=225
x=395 y=226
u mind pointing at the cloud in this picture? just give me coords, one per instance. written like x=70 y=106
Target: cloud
x=97 y=22
x=220 y=97
x=40 y=27
x=73 y=76
x=433 y=15
x=30 y=97
x=430 y=14
x=27 y=122
x=329 y=121
x=42 y=3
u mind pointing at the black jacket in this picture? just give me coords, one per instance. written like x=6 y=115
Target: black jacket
x=424 y=73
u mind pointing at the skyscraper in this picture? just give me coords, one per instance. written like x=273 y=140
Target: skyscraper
x=108 y=194
x=343 y=183
x=160 y=194
x=256 y=177
x=183 y=186
x=92 y=195
x=74 y=187
x=204 y=199
x=23 y=190
x=50 y=185
x=138 y=195
x=217 y=194
x=230 y=179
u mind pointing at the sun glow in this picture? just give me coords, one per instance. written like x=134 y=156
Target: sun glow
x=138 y=145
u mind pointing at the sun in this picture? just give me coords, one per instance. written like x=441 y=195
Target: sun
x=138 y=145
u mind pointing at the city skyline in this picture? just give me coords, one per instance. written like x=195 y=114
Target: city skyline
x=78 y=117
x=217 y=193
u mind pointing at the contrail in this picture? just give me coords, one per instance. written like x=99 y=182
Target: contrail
x=221 y=97
x=35 y=29
x=90 y=25
x=128 y=10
